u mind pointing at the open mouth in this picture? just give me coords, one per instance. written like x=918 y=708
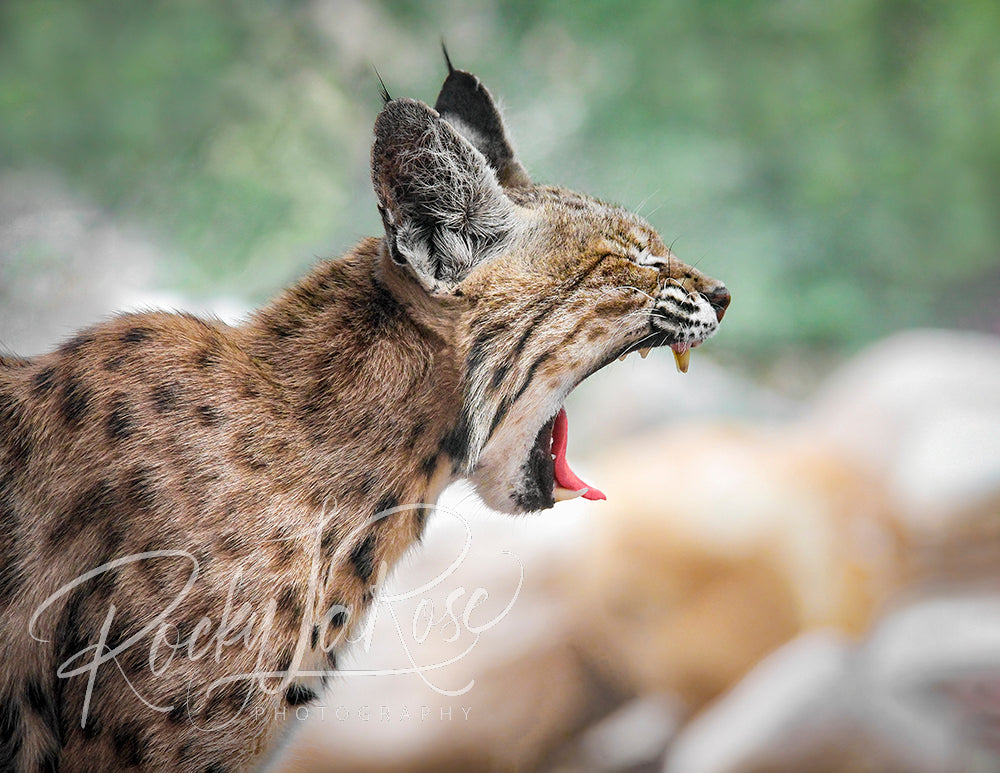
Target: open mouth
x=567 y=484
x=548 y=456
x=682 y=352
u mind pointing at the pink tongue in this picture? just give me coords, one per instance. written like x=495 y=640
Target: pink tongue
x=565 y=477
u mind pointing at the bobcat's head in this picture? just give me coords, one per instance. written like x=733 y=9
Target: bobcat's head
x=538 y=287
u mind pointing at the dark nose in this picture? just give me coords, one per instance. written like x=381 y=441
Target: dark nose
x=719 y=298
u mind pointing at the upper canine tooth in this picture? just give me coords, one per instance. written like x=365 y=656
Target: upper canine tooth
x=682 y=356
x=622 y=357
x=644 y=351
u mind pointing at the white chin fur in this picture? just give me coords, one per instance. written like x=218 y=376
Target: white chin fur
x=496 y=489
x=500 y=469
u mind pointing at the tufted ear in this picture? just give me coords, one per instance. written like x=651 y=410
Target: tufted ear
x=466 y=104
x=443 y=210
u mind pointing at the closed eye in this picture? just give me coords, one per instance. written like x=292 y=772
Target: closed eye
x=649 y=260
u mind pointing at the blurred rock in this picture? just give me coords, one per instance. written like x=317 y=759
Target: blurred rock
x=922 y=409
x=920 y=695
x=65 y=264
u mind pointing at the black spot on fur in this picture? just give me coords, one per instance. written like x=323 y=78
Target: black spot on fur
x=339 y=618
x=138 y=491
x=500 y=415
x=416 y=432
x=363 y=557
x=10 y=732
x=297 y=694
x=456 y=442
x=234 y=696
x=499 y=375
x=330 y=539
x=209 y=416
x=14 y=432
x=381 y=310
x=11 y=568
x=481 y=347
x=42 y=704
x=247 y=451
x=179 y=710
x=314 y=637
x=248 y=389
x=385 y=504
x=370 y=482
x=77 y=342
x=429 y=465
x=165 y=398
x=86 y=512
x=186 y=751
x=120 y=419
x=133 y=660
x=215 y=767
x=232 y=544
x=94 y=726
x=75 y=400
x=207 y=356
x=69 y=638
x=290 y=605
x=44 y=381
x=111 y=539
x=136 y=335
x=284 y=664
x=422 y=513
x=129 y=744
x=114 y=362
x=36 y=698
x=49 y=763
x=281 y=327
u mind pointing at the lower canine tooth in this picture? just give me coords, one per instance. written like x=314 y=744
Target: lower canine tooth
x=645 y=351
x=682 y=358
x=562 y=494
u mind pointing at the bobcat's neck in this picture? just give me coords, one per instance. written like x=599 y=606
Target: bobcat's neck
x=374 y=390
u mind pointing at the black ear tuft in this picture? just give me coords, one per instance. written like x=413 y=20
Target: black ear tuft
x=384 y=92
x=467 y=105
x=447 y=59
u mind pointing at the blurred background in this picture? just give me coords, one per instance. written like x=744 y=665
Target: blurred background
x=799 y=552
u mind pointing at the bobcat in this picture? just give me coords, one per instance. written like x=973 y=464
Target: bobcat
x=194 y=515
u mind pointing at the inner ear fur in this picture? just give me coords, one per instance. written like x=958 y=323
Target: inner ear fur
x=441 y=203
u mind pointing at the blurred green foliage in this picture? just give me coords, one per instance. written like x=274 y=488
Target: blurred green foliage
x=838 y=164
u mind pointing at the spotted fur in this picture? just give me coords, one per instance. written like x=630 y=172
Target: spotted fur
x=291 y=459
